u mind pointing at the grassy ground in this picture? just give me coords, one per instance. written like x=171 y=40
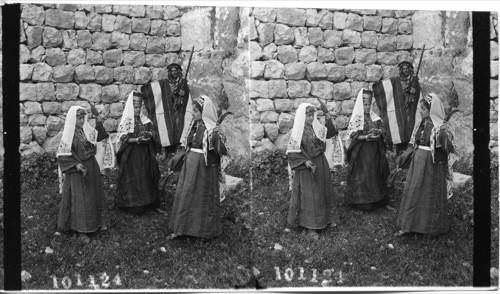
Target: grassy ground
x=132 y=247
x=357 y=252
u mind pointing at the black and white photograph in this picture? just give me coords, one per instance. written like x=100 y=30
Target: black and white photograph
x=251 y=145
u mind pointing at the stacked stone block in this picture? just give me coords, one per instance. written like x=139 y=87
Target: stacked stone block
x=494 y=84
x=70 y=53
x=301 y=55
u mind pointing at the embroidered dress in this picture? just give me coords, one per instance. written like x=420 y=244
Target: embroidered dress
x=83 y=207
x=368 y=165
x=196 y=208
x=423 y=207
x=312 y=203
x=138 y=174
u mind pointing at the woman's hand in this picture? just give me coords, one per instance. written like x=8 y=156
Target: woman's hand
x=310 y=165
x=81 y=168
x=142 y=139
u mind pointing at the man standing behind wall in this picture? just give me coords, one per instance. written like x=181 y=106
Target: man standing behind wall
x=397 y=99
x=169 y=103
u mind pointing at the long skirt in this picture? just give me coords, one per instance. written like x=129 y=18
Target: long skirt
x=423 y=207
x=138 y=179
x=313 y=204
x=195 y=211
x=83 y=206
x=366 y=181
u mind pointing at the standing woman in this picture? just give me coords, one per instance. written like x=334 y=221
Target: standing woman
x=195 y=211
x=368 y=166
x=313 y=204
x=423 y=206
x=139 y=174
x=83 y=207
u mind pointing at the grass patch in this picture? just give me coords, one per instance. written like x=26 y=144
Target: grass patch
x=356 y=253
x=131 y=246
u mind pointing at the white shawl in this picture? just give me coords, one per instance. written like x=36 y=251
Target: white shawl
x=127 y=122
x=357 y=121
x=104 y=155
x=209 y=117
x=298 y=128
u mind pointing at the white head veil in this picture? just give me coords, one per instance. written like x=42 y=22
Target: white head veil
x=209 y=117
x=127 y=122
x=298 y=128
x=437 y=115
x=64 y=148
x=357 y=121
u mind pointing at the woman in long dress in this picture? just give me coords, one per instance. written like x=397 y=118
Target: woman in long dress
x=82 y=208
x=196 y=207
x=139 y=173
x=368 y=165
x=312 y=204
x=423 y=207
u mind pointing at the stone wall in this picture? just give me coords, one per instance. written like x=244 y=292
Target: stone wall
x=299 y=55
x=71 y=53
x=273 y=58
x=494 y=85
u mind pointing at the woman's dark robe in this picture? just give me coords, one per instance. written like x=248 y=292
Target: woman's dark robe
x=196 y=208
x=139 y=173
x=368 y=166
x=312 y=204
x=423 y=207
x=83 y=206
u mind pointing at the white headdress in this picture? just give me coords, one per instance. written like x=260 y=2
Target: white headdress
x=64 y=148
x=437 y=115
x=298 y=128
x=127 y=122
x=357 y=121
x=209 y=117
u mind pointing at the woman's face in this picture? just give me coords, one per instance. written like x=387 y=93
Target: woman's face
x=80 y=119
x=137 y=107
x=367 y=101
x=196 y=113
x=309 y=118
x=424 y=112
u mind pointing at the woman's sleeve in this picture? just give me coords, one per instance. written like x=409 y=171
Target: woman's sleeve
x=354 y=139
x=380 y=128
x=124 y=143
x=218 y=143
x=101 y=131
x=445 y=141
x=330 y=129
x=297 y=160
x=154 y=137
x=67 y=164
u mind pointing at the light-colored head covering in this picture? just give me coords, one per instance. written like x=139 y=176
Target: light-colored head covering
x=357 y=121
x=298 y=128
x=437 y=115
x=64 y=148
x=209 y=117
x=127 y=122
